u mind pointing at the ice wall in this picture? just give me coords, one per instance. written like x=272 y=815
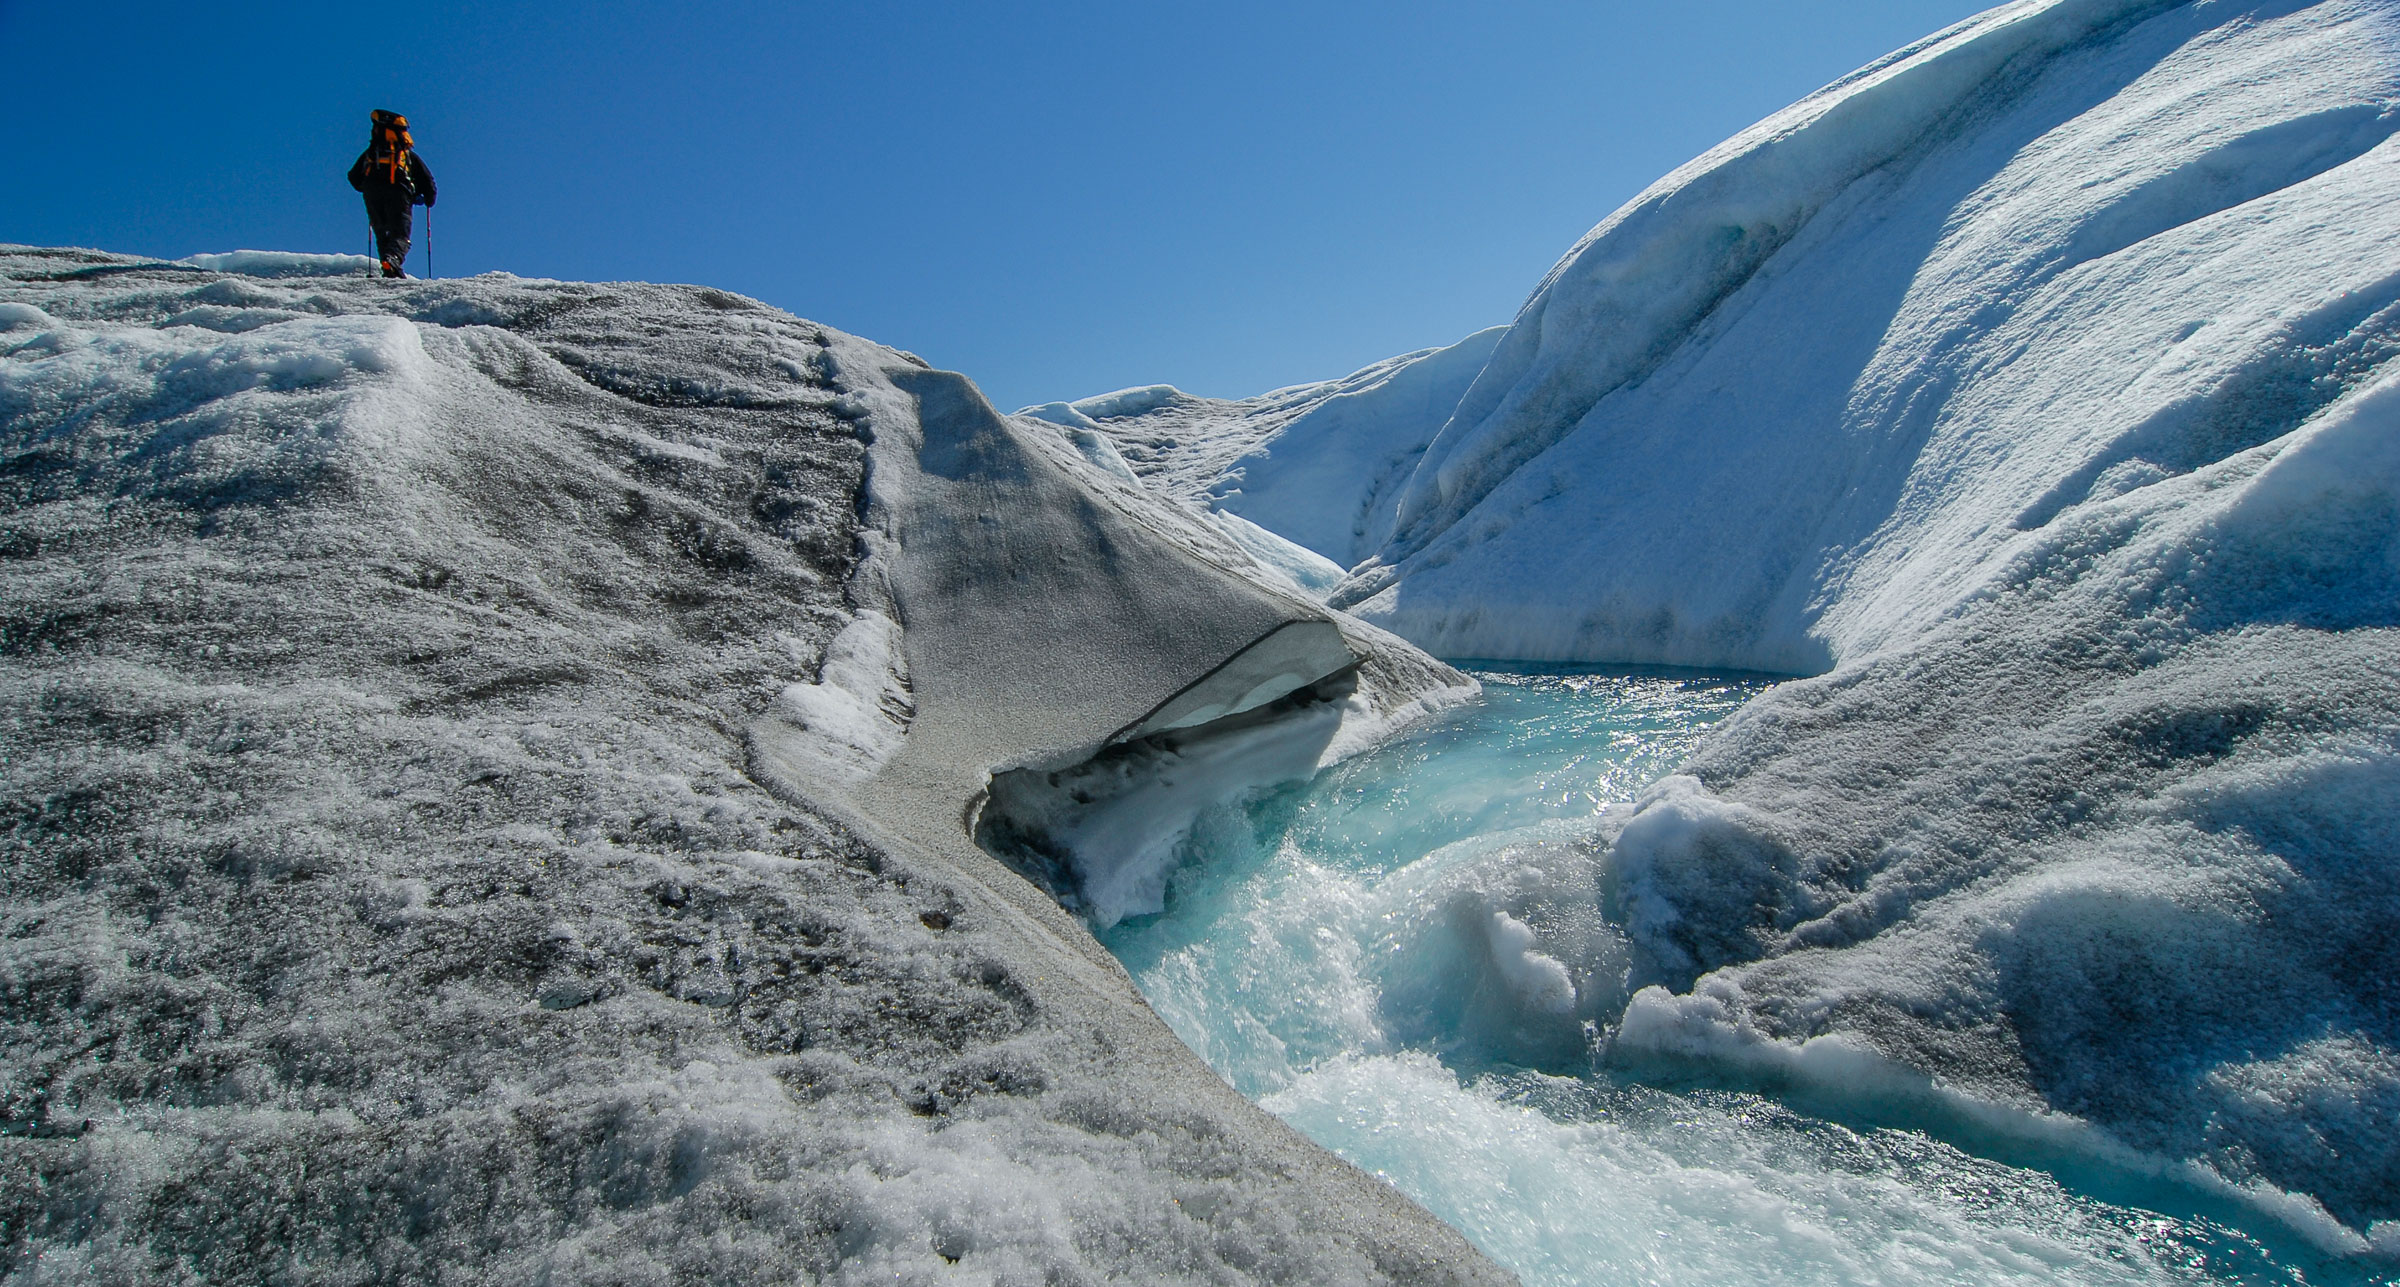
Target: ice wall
x=1327 y=478
x=2032 y=388
x=2117 y=842
x=1952 y=295
x=1892 y=329
x=443 y=728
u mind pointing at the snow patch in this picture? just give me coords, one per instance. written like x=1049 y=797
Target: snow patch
x=856 y=712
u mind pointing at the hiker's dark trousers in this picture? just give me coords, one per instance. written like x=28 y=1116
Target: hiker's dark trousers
x=388 y=211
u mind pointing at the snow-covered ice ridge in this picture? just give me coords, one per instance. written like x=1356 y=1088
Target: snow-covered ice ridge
x=486 y=769
x=2034 y=389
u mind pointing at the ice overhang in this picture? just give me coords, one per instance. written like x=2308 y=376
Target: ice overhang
x=1281 y=662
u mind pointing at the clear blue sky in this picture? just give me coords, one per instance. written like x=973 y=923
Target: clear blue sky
x=1057 y=199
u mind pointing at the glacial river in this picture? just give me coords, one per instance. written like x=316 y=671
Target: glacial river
x=1329 y=949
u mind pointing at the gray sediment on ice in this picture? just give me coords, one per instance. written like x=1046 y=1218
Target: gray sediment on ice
x=431 y=856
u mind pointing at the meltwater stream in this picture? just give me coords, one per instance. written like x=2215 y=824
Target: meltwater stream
x=1359 y=955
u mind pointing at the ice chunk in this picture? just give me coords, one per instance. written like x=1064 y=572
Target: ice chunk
x=280 y=263
x=15 y=316
x=1126 y=402
x=1114 y=825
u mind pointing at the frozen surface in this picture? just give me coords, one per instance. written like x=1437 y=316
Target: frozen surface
x=1809 y=393
x=1284 y=660
x=1315 y=574
x=1396 y=959
x=1316 y=463
x=471 y=812
x=2034 y=390
x=281 y=263
x=854 y=714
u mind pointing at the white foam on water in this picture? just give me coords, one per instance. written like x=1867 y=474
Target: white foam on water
x=1651 y=1186
x=1414 y=958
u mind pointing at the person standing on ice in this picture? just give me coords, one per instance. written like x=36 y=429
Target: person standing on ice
x=393 y=178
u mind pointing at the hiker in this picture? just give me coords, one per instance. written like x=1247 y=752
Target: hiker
x=392 y=177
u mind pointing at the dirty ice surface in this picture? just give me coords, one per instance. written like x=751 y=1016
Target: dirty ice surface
x=394 y=892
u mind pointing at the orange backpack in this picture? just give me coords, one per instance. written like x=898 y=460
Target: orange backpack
x=391 y=146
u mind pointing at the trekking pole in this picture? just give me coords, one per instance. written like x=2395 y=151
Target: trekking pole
x=429 y=243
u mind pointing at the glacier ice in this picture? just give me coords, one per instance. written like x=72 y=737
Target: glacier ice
x=469 y=811
x=484 y=776
x=280 y=263
x=1327 y=453
x=2031 y=391
x=1312 y=572
x=2061 y=242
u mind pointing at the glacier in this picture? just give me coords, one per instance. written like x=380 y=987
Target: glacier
x=513 y=780
x=488 y=767
x=2029 y=397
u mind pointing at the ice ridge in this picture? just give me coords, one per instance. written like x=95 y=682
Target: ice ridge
x=482 y=779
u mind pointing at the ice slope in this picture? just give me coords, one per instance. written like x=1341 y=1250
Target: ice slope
x=2036 y=384
x=1887 y=327
x=483 y=787
x=1312 y=463
x=2138 y=252
x=2119 y=842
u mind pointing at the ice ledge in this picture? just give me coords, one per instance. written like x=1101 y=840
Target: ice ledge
x=1288 y=658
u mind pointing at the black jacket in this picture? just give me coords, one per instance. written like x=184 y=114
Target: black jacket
x=373 y=177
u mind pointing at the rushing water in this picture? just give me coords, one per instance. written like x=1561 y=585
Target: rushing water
x=1331 y=948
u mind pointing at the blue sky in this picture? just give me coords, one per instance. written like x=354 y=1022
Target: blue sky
x=1057 y=199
